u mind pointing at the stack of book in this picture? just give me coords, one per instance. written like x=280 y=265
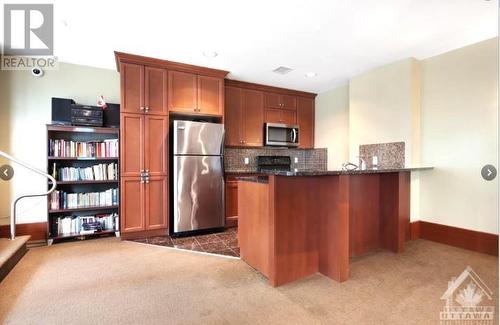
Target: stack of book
x=83 y=149
x=85 y=225
x=63 y=200
x=100 y=172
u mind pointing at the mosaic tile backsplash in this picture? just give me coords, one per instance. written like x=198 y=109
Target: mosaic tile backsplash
x=308 y=159
x=390 y=155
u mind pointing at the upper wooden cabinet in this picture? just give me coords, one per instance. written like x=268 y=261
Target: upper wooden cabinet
x=305 y=119
x=275 y=100
x=191 y=93
x=248 y=106
x=282 y=116
x=244 y=117
x=210 y=95
x=144 y=89
x=182 y=91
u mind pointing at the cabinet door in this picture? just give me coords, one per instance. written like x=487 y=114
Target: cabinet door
x=210 y=95
x=156 y=203
x=273 y=116
x=305 y=116
x=131 y=204
x=232 y=115
x=156 y=145
x=288 y=117
x=252 y=118
x=231 y=201
x=131 y=144
x=288 y=102
x=182 y=91
x=155 y=91
x=272 y=100
x=132 y=88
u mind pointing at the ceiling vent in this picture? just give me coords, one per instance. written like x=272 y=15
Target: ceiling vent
x=282 y=70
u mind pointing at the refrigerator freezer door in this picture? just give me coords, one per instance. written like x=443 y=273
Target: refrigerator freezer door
x=198 y=193
x=197 y=138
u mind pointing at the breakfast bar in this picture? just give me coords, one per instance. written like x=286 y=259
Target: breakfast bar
x=292 y=225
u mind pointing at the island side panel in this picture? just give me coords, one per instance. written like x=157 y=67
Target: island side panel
x=394 y=210
x=364 y=213
x=253 y=224
x=332 y=197
x=295 y=230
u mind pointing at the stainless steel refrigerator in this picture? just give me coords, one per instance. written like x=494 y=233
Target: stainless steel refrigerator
x=198 y=176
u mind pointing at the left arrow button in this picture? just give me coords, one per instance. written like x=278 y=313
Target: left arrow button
x=6 y=172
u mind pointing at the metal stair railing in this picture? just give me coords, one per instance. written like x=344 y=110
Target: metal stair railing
x=14 y=203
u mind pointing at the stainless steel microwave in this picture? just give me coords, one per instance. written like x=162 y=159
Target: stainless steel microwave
x=282 y=135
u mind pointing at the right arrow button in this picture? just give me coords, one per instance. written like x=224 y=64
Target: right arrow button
x=489 y=172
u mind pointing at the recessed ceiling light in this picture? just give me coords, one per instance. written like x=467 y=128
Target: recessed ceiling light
x=210 y=54
x=311 y=74
x=282 y=70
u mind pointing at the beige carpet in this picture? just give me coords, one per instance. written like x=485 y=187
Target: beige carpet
x=107 y=281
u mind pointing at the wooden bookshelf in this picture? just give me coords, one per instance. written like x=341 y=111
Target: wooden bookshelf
x=88 y=136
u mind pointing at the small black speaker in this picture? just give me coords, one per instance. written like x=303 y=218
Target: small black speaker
x=112 y=116
x=61 y=111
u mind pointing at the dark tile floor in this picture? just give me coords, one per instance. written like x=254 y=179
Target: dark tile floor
x=222 y=243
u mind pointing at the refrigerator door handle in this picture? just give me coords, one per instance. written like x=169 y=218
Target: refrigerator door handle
x=222 y=153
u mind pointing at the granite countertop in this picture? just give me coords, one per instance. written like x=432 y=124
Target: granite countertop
x=244 y=174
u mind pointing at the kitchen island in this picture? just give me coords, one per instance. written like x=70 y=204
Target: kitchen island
x=292 y=225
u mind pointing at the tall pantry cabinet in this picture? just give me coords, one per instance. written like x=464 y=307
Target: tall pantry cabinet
x=151 y=90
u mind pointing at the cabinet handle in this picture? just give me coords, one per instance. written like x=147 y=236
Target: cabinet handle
x=146 y=109
x=141 y=108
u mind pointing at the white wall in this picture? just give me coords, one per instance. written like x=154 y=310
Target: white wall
x=25 y=108
x=382 y=107
x=332 y=125
x=459 y=135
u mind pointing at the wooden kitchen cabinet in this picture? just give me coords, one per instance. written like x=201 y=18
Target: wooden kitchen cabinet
x=131 y=144
x=232 y=116
x=131 y=204
x=195 y=94
x=210 y=95
x=231 y=202
x=144 y=89
x=156 y=203
x=275 y=100
x=280 y=116
x=156 y=145
x=182 y=91
x=305 y=119
x=155 y=91
x=244 y=117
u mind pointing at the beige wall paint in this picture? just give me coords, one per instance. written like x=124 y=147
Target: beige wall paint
x=458 y=136
x=332 y=125
x=25 y=107
x=384 y=107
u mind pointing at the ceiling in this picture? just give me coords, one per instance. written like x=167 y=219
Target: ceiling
x=336 y=39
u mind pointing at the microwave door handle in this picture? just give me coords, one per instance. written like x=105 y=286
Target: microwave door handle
x=294 y=135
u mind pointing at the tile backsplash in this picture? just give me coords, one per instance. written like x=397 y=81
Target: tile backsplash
x=307 y=159
x=390 y=155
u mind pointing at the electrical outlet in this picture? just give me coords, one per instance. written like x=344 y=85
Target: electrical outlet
x=247 y=160
x=296 y=160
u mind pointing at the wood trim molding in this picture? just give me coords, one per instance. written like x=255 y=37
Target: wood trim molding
x=143 y=234
x=37 y=230
x=169 y=65
x=464 y=238
x=249 y=85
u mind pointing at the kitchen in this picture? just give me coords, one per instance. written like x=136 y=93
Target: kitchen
x=285 y=165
